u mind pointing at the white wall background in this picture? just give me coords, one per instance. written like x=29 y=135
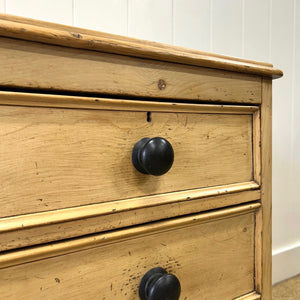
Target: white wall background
x=264 y=30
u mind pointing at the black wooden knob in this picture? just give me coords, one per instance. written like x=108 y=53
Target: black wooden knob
x=153 y=156
x=157 y=284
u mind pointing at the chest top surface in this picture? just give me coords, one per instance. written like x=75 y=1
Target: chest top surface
x=72 y=37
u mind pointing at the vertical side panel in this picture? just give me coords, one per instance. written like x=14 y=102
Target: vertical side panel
x=150 y=20
x=105 y=15
x=56 y=11
x=192 y=24
x=257 y=30
x=263 y=255
x=227 y=27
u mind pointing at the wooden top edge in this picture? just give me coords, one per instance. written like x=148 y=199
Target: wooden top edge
x=100 y=34
x=68 y=36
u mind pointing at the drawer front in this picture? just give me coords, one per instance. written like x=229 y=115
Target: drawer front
x=211 y=254
x=56 y=158
x=40 y=66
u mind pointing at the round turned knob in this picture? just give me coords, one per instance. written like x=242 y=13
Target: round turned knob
x=157 y=284
x=153 y=156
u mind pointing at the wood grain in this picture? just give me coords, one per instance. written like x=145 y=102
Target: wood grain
x=218 y=254
x=257 y=147
x=45 y=227
x=32 y=66
x=66 y=169
x=263 y=271
x=141 y=42
x=59 y=158
x=125 y=46
x=250 y=296
x=29 y=254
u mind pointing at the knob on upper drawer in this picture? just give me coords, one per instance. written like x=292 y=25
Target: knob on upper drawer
x=157 y=284
x=153 y=156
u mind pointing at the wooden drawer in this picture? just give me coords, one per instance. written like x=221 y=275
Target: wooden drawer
x=214 y=249
x=57 y=158
x=28 y=65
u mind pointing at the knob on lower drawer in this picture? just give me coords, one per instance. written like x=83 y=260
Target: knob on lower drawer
x=153 y=156
x=157 y=284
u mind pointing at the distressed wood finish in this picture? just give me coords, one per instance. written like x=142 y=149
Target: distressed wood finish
x=80 y=38
x=257 y=147
x=28 y=65
x=59 y=158
x=122 y=38
x=225 y=244
x=263 y=271
x=12 y=258
x=27 y=230
x=77 y=220
x=62 y=101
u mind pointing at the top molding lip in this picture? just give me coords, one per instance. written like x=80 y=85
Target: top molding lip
x=68 y=36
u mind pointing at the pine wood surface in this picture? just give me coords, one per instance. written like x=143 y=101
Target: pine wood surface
x=72 y=37
x=59 y=158
x=53 y=68
x=70 y=192
x=257 y=147
x=29 y=254
x=250 y=296
x=26 y=230
x=263 y=283
x=66 y=36
x=63 y=101
x=196 y=256
x=141 y=42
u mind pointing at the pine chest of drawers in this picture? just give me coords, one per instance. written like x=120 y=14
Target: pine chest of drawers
x=131 y=169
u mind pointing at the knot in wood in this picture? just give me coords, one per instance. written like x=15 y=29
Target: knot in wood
x=161 y=84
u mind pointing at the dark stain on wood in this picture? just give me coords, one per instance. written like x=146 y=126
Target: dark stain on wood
x=57 y=280
x=76 y=35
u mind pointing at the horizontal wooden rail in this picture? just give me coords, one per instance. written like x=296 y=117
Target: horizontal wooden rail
x=61 y=101
x=60 y=248
x=88 y=211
